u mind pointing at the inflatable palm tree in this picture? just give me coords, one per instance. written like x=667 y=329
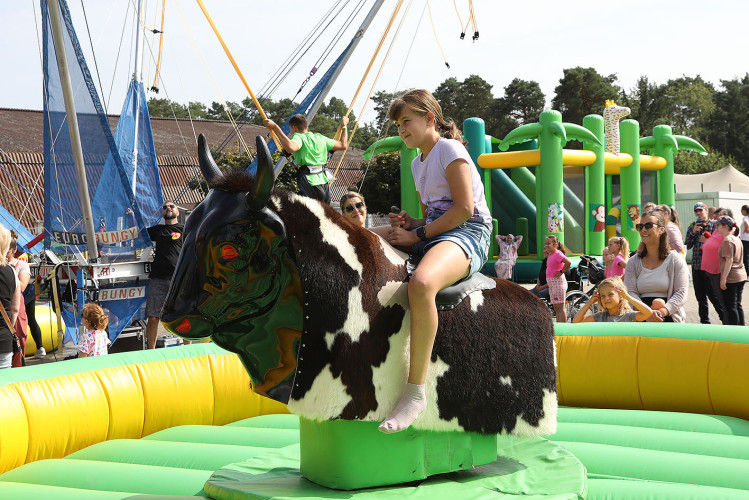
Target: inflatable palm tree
x=552 y=134
x=664 y=143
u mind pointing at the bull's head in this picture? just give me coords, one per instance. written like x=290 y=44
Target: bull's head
x=235 y=280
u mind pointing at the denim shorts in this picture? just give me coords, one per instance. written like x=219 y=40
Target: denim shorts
x=472 y=236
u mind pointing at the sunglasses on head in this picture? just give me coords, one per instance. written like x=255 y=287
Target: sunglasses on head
x=647 y=225
x=168 y=206
x=350 y=208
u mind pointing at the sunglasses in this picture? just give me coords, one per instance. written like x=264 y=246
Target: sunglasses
x=350 y=208
x=168 y=206
x=647 y=225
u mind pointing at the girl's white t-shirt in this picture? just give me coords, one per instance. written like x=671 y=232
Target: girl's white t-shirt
x=430 y=177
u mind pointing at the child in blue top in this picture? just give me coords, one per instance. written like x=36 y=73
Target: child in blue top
x=452 y=241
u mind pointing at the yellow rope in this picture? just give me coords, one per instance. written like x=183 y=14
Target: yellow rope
x=371 y=89
x=436 y=39
x=211 y=78
x=371 y=63
x=460 y=20
x=161 y=47
x=236 y=68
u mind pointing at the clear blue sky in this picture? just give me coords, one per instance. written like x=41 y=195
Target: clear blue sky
x=532 y=40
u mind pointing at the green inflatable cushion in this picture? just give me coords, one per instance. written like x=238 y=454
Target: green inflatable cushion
x=271 y=421
x=691 y=422
x=107 y=476
x=621 y=489
x=200 y=456
x=24 y=491
x=636 y=463
x=695 y=443
x=242 y=436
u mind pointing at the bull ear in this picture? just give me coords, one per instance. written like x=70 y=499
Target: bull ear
x=205 y=159
x=264 y=178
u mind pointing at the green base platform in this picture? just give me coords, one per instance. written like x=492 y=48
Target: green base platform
x=531 y=468
x=331 y=453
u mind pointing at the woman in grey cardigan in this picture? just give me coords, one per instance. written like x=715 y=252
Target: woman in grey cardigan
x=656 y=271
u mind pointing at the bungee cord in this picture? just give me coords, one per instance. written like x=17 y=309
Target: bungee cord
x=379 y=72
x=436 y=38
x=386 y=126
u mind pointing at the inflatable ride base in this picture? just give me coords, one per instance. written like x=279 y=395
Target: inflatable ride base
x=331 y=453
x=342 y=454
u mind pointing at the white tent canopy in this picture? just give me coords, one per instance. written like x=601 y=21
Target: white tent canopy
x=725 y=179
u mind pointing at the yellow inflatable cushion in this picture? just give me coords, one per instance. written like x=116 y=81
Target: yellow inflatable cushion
x=52 y=410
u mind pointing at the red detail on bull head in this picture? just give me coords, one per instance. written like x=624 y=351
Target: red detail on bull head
x=184 y=326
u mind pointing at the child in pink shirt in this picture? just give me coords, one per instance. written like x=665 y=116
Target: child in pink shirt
x=619 y=249
x=556 y=265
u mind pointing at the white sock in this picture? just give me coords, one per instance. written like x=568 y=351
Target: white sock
x=411 y=404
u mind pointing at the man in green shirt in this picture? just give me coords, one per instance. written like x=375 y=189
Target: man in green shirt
x=310 y=152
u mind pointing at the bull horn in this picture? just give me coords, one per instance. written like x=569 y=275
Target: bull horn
x=264 y=178
x=205 y=159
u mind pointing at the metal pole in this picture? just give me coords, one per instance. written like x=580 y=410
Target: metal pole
x=357 y=38
x=75 y=136
x=138 y=79
x=323 y=94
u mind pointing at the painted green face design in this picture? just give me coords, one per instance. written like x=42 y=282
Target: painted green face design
x=252 y=293
x=250 y=302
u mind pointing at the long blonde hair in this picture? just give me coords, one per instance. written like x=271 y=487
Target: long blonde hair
x=614 y=282
x=423 y=102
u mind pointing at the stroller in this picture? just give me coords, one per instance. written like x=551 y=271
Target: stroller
x=592 y=268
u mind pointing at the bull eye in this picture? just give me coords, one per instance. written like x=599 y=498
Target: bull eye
x=228 y=252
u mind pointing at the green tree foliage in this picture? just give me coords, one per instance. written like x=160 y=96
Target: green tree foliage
x=474 y=99
x=582 y=91
x=218 y=112
x=729 y=126
x=447 y=94
x=689 y=162
x=648 y=104
x=523 y=101
x=689 y=106
x=382 y=185
x=164 y=108
x=382 y=102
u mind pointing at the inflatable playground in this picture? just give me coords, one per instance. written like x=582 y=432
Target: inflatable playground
x=536 y=187
x=647 y=412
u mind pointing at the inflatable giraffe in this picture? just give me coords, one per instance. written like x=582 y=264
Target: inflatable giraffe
x=611 y=116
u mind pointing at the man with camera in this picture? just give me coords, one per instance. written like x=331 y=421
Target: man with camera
x=702 y=289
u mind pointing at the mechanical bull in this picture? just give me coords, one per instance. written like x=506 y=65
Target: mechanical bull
x=317 y=310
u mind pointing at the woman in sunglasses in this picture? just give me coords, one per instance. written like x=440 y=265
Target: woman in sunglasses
x=354 y=209
x=656 y=273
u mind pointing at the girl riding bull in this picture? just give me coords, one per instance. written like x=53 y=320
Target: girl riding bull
x=452 y=242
